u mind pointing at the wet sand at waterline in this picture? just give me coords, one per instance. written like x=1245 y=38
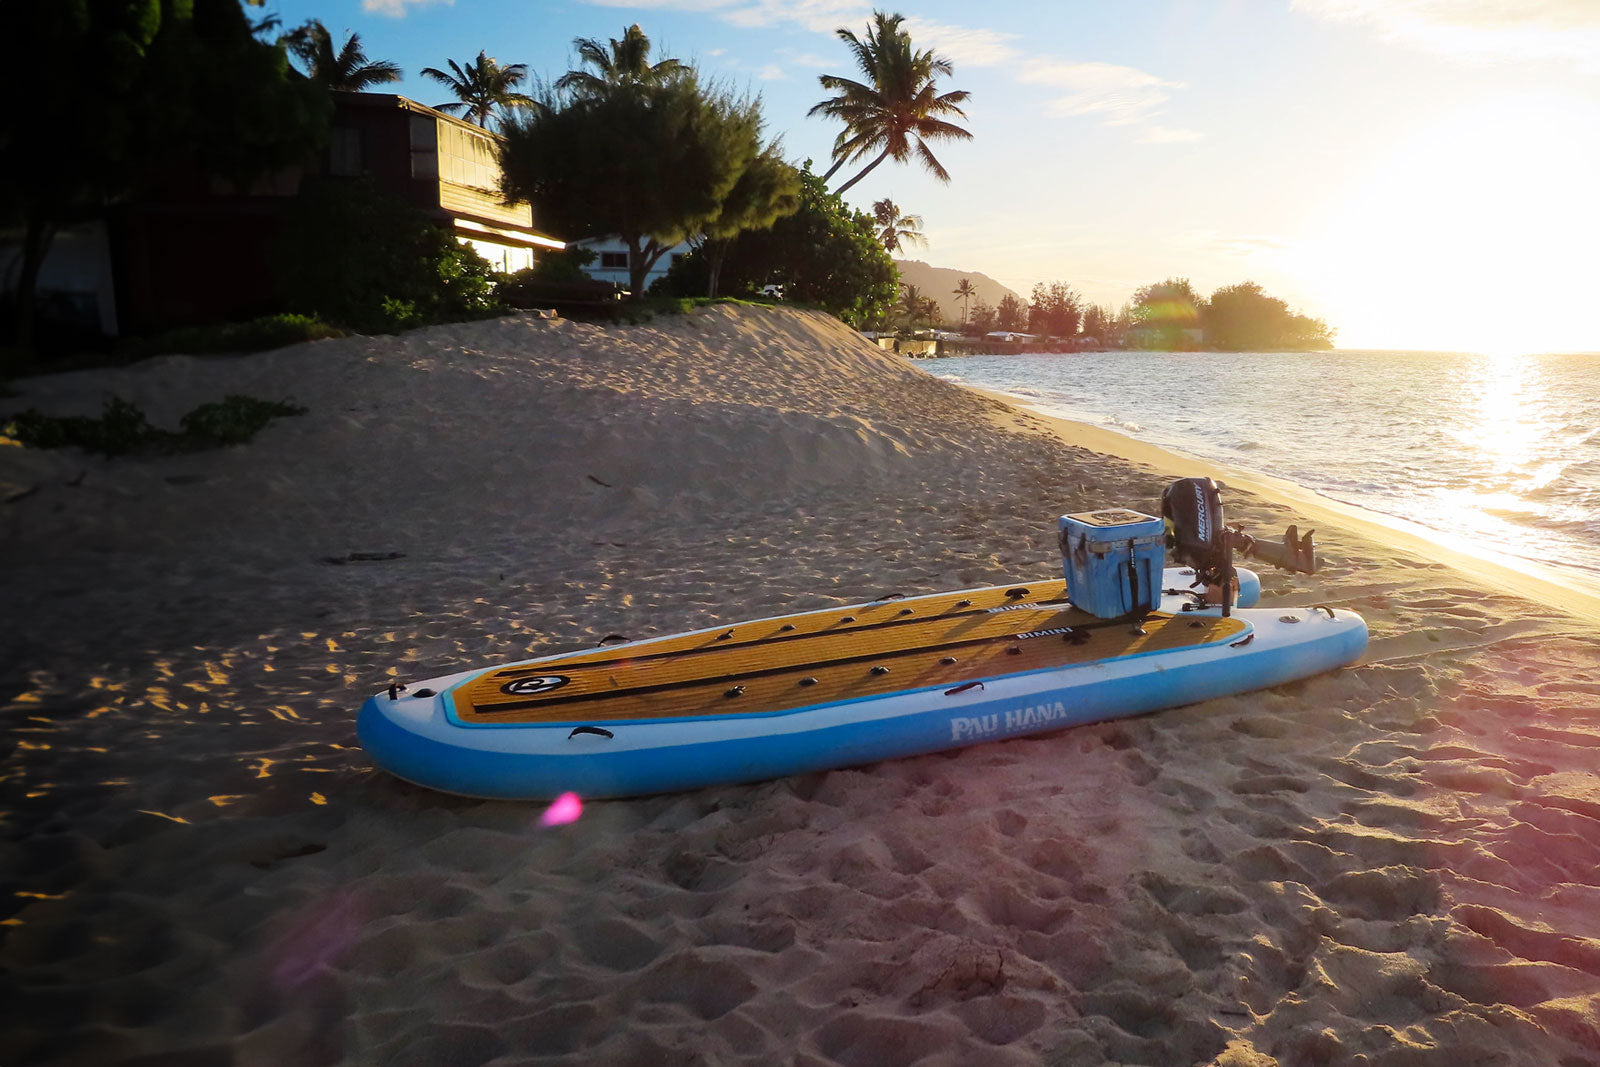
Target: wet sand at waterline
x=1398 y=863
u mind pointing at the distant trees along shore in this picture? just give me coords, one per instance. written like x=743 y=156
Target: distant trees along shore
x=1167 y=315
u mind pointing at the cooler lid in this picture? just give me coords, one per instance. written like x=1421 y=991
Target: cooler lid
x=1111 y=517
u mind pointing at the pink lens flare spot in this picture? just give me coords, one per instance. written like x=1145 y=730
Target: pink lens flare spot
x=564 y=809
x=319 y=939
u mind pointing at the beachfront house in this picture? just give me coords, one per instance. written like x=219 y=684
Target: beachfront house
x=195 y=250
x=611 y=260
x=446 y=166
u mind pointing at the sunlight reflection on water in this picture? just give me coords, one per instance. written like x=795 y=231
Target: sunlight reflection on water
x=1500 y=451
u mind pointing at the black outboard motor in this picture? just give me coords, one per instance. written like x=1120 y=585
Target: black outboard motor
x=1196 y=534
x=1198 y=537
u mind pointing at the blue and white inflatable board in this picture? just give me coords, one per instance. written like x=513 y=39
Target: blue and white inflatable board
x=835 y=688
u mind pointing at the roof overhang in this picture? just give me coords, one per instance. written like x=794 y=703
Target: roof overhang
x=501 y=235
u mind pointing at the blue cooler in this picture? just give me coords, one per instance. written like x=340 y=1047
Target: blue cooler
x=1099 y=546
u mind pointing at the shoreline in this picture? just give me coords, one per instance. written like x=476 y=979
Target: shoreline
x=1504 y=573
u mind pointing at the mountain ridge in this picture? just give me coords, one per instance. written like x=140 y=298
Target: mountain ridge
x=940 y=282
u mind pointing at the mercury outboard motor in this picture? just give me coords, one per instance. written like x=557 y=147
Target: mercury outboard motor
x=1198 y=537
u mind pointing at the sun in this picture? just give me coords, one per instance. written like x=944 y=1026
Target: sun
x=1478 y=233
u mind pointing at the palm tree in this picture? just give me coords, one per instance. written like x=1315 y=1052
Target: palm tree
x=897 y=109
x=346 y=70
x=481 y=87
x=965 y=291
x=914 y=306
x=895 y=228
x=626 y=62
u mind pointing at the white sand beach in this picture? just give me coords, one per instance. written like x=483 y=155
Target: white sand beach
x=1394 y=864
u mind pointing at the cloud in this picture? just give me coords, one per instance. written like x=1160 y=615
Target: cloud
x=1118 y=96
x=1478 y=30
x=823 y=16
x=396 y=9
x=975 y=47
x=1247 y=244
x=667 y=5
x=808 y=59
x=1155 y=133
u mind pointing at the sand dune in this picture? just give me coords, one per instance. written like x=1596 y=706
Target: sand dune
x=1395 y=864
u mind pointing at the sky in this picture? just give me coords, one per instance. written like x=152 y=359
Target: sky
x=1420 y=174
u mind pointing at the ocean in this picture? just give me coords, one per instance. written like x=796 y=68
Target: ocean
x=1496 y=453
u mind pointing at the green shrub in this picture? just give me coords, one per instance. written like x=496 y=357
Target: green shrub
x=354 y=255
x=643 y=310
x=257 y=335
x=566 y=265
x=122 y=428
x=400 y=314
x=234 y=420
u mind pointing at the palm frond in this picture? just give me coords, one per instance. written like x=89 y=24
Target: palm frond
x=931 y=163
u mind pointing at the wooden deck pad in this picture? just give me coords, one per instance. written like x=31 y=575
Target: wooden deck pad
x=825 y=656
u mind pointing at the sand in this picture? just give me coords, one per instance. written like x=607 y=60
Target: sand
x=1395 y=864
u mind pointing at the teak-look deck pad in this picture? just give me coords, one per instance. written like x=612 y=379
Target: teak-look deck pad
x=823 y=657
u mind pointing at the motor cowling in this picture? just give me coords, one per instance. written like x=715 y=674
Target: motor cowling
x=1195 y=532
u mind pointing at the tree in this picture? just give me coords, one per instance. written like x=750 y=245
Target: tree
x=897 y=109
x=651 y=162
x=1244 y=318
x=983 y=318
x=825 y=254
x=1055 y=310
x=1010 y=314
x=895 y=228
x=1173 y=300
x=1100 y=323
x=482 y=87
x=964 y=291
x=169 y=84
x=625 y=63
x=1163 y=314
x=347 y=70
x=768 y=190
x=913 y=305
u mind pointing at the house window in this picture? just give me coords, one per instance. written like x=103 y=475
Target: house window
x=613 y=261
x=344 y=152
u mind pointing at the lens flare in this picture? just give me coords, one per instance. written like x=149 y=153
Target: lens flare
x=320 y=938
x=564 y=809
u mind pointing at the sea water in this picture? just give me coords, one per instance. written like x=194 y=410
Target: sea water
x=1500 y=453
